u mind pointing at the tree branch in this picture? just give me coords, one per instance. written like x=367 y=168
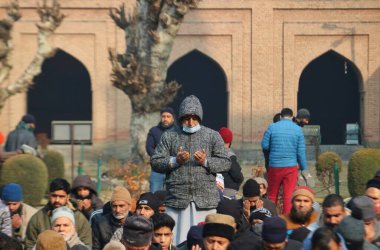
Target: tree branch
x=6 y=25
x=50 y=19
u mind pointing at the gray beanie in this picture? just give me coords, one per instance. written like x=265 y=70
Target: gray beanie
x=137 y=231
x=351 y=229
x=191 y=106
x=303 y=113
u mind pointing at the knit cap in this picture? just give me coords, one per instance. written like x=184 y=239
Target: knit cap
x=305 y=191
x=195 y=236
x=261 y=180
x=49 y=239
x=274 y=230
x=251 y=188
x=362 y=208
x=28 y=118
x=221 y=225
x=303 y=113
x=191 y=106
x=168 y=110
x=63 y=212
x=230 y=207
x=374 y=183
x=137 y=231
x=226 y=135
x=121 y=194
x=351 y=229
x=259 y=214
x=12 y=192
x=114 y=245
x=149 y=200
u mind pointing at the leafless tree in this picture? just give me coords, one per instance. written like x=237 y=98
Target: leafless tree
x=140 y=72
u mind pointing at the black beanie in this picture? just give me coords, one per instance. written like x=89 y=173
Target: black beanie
x=150 y=200
x=251 y=188
x=230 y=207
x=218 y=229
x=168 y=110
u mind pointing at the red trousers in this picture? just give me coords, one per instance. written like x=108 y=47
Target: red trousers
x=287 y=177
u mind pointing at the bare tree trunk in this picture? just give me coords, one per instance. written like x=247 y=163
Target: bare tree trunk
x=140 y=125
x=140 y=72
x=50 y=19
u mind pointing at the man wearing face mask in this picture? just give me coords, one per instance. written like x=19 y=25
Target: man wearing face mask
x=252 y=199
x=190 y=156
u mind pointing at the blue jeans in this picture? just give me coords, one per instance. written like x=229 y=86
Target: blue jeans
x=156 y=181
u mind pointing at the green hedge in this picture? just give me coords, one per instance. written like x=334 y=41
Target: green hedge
x=326 y=162
x=362 y=166
x=28 y=171
x=55 y=165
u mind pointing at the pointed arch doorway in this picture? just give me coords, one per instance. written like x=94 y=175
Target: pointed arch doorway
x=61 y=92
x=329 y=89
x=201 y=76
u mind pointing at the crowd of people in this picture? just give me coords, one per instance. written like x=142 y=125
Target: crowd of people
x=194 y=200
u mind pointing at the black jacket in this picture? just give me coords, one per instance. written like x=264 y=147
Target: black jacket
x=103 y=229
x=234 y=177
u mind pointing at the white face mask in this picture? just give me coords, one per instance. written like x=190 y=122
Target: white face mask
x=191 y=130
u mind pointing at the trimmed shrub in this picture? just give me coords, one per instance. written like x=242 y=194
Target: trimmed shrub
x=28 y=171
x=55 y=165
x=362 y=166
x=325 y=167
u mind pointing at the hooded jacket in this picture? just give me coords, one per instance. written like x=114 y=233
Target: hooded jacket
x=191 y=182
x=85 y=181
x=21 y=135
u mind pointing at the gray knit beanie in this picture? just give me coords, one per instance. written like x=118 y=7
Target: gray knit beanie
x=191 y=106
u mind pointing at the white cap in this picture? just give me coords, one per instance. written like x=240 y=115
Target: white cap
x=63 y=212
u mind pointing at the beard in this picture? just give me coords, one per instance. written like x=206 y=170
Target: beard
x=300 y=217
x=67 y=236
x=119 y=216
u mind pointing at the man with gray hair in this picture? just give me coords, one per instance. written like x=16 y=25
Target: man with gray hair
x=63 y=222
x=190 y=156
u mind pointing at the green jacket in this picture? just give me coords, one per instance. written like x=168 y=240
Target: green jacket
x=40 y=222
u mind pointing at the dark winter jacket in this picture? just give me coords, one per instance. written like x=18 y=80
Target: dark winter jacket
x=154 y=136
x=21 y=135
x=253 y=244
x=41 y=221
x=85 y=181
x=103 y=229
x=191 y=182
x=234 y=177
x=245 y=240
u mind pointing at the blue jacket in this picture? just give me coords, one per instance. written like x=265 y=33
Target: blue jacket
x=286 y=144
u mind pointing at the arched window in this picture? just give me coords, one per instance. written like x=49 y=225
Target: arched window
x=201 y=76
x=329 y=88
x=61 y=92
